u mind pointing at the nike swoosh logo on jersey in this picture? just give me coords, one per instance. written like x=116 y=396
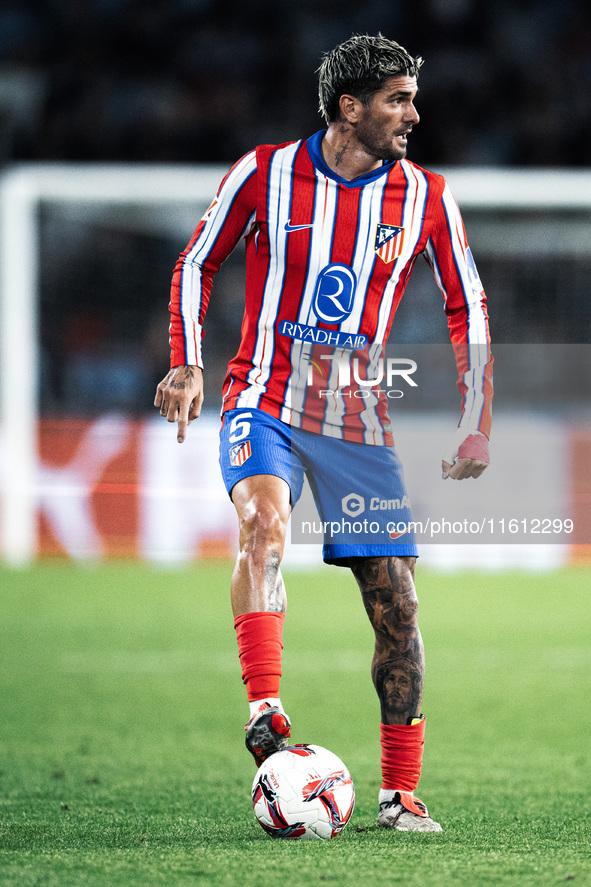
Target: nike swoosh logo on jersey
x=289 y=227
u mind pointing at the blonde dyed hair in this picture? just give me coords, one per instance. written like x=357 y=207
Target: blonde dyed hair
x=360 y=66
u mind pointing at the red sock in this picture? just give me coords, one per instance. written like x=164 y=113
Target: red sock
x=260 y=646
x=402 y=755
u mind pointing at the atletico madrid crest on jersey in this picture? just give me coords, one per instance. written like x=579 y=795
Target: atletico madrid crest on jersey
x=239 y=453
x=389 y=242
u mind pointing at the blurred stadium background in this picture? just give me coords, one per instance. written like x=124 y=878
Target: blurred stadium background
x=176 y=91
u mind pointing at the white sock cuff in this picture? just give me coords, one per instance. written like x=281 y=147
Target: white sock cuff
x=273 y=701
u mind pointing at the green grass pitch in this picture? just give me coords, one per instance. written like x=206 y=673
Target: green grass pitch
x=122 y=713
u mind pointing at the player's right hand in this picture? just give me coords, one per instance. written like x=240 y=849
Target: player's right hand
x=180 y=397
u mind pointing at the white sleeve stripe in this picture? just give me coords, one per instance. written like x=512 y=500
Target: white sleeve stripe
x=432 y=260
x=226 y=196
x=474 y=400
x=476 y=321
x=190 y=314
x=452 y=216
x=476 y=326
x=190 y=297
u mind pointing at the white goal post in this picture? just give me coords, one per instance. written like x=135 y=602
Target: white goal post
x=24 y=187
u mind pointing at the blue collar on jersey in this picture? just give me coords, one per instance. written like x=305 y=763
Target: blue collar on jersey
x=315 y=151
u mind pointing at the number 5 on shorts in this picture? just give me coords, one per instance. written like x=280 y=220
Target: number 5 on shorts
x=239 y=427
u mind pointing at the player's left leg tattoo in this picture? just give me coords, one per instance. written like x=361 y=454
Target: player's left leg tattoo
x=275 y=597
x=398 y=666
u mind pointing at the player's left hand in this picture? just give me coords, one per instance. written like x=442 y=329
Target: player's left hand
x=467 y=455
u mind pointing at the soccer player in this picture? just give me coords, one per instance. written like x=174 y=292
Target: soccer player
x=333 y=225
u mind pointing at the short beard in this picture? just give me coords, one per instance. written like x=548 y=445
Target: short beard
x=387 y=151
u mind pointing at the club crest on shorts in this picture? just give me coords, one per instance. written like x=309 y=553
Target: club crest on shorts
x=239 y=453
x=389 y=242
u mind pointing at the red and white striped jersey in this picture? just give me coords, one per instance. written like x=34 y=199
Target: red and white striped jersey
x=327 y=262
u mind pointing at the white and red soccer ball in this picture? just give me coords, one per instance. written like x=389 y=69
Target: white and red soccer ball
x=303 y=792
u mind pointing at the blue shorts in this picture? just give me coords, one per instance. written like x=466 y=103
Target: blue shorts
x=361 y=509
